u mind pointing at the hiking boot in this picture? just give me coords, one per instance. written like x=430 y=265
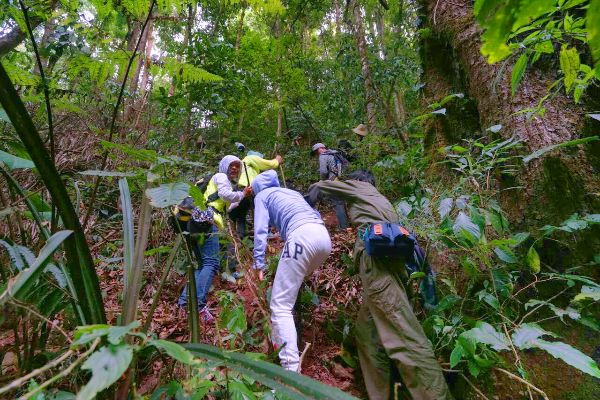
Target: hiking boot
x=206 y=316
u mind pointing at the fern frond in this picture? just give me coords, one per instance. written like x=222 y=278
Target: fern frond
x=20 y=76
x=138 y=8
x=268 y=6
x=187 y=72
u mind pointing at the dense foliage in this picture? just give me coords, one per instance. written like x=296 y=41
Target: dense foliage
x=111 y=109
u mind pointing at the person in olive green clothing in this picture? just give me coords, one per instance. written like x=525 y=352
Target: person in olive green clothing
x=388 y=332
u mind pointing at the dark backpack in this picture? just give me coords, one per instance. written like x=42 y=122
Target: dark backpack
x=341 y=162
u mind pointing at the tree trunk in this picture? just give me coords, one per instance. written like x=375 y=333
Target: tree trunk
x=361 y=44
x=240 y=29
x=49 y=27
x=554 y=186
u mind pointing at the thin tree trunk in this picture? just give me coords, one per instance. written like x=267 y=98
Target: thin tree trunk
x=240 y=29
x=361 y=44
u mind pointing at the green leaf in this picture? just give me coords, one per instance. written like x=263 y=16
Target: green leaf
x=506 y=255
x=533 y=260
x=26 y=279
x=168 y=194
x=569 y=64
x=571 y=356
x=290 y=384
x=128 y=230
x=457 y=354
x=464 y=227
x=486 y=334
x=14 y=162
x=445 y=207
x=106 y=365
x=592 y=25
x=540 y=152
x=174 y=350
x=518 y=72
x=588 y=292
x=239 y=391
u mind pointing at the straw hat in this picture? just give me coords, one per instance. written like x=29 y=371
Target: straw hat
x=360 y=130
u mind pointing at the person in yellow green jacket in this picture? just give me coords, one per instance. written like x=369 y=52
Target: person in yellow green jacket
x=252 y=165
x=220 y=193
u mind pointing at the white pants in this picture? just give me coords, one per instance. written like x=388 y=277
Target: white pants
x=305 y=249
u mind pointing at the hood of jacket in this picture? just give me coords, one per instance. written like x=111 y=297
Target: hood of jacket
x=264 y=181
x=226 y=161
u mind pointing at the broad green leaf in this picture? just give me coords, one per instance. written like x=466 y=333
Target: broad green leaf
x=527 y=335
x=588 y=292
x=198 y=197
x=445 y=207
x=457 y=354
x=571 y=356
x=506 y=255
x=14 y=162
x=290 y=384
x=540 y=152
x=569 y=64
x=533 y=260
x=529 y=10
x=592 y=218
x=168 y=194
x=174 y=350
x=464 y=227
x=239 y=391
x=86 y=334
x=26 y=279
x=486 y=334
x=593 y=29
x=519 y=238
x=106 y=365
x=518 y=72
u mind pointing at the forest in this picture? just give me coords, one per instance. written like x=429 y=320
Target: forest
x=143 y=147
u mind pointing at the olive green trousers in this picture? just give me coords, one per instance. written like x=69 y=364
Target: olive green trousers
x=389 y=334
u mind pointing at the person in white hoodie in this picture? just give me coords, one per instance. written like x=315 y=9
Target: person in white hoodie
x=307 y=245
x=219 y=195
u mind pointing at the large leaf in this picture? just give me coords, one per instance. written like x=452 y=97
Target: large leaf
x=540 y=152
x=588 y=292
x=528 y=336
x=106 y=365
x=290 y=384
x=174 y=350
x=445 y=207
x=168 y=194
x=571 y=356
x=569 y=64
x=27 y=278
x=464 y=227
x=14 y=162
x=533 y=260
x=486 y=334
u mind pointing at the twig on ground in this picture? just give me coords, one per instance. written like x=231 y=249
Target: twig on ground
x=479 y=392
x=518 y=378
x=304 y=352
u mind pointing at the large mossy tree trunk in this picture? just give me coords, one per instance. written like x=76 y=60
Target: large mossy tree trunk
x=553 y=187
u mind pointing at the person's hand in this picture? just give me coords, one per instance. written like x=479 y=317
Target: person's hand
x=279 y=159
x=247 y=191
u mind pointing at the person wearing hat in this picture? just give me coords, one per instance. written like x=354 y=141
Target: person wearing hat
x=331 y=167
x=361 y=131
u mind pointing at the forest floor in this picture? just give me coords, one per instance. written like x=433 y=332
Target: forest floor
x=334 y=296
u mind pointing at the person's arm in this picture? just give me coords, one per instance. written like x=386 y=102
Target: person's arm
x=262 y=164
x=226 y=191
x=261 y=229
x=323 y=168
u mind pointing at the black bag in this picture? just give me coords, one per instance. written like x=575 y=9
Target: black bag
x=190 y=219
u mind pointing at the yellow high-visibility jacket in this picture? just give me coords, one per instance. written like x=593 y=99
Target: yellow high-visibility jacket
x=254 y=165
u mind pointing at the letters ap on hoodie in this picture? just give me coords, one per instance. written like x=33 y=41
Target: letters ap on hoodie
x=284 y=208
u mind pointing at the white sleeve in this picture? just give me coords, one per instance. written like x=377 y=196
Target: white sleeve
x=225 y=189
